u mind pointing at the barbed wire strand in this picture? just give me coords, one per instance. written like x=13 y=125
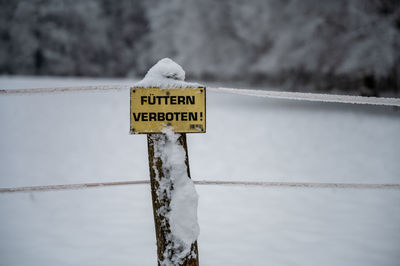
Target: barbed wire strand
x=204 y=182
x=301 y=96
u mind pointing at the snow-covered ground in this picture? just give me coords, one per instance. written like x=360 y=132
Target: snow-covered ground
x=80 y=137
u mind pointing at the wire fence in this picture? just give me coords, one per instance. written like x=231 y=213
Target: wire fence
x=300 y=96
x=257 y=93
x=204 y=182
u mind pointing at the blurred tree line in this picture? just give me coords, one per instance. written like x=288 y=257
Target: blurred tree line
x=342 y=45
x=66 y=37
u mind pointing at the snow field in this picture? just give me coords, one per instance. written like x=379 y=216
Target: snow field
x=239 y=226
x=84 y=137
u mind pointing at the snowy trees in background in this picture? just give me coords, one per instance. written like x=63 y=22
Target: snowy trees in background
x=293 y=43
x=297 y=44
x=126 y=27
x=50 y=37
x=64 y=37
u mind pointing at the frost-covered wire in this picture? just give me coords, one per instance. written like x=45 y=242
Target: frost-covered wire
x=204 y=182
x=300 y=96
x=62 y=89
x=318 y=97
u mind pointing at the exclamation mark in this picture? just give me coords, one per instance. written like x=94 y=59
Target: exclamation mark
x=201 y=116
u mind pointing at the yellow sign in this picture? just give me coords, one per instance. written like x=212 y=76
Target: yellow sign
x=153 y=109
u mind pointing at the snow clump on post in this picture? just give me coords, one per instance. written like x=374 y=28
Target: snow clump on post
x=166 y=74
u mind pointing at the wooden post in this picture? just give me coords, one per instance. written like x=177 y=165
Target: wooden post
x=165 y=107
x=161 y=201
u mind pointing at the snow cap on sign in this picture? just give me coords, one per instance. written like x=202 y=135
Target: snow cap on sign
x=166 y=68
x=165 y=74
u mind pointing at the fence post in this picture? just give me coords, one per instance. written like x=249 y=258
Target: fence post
x=162 y=200
x=165 y=107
